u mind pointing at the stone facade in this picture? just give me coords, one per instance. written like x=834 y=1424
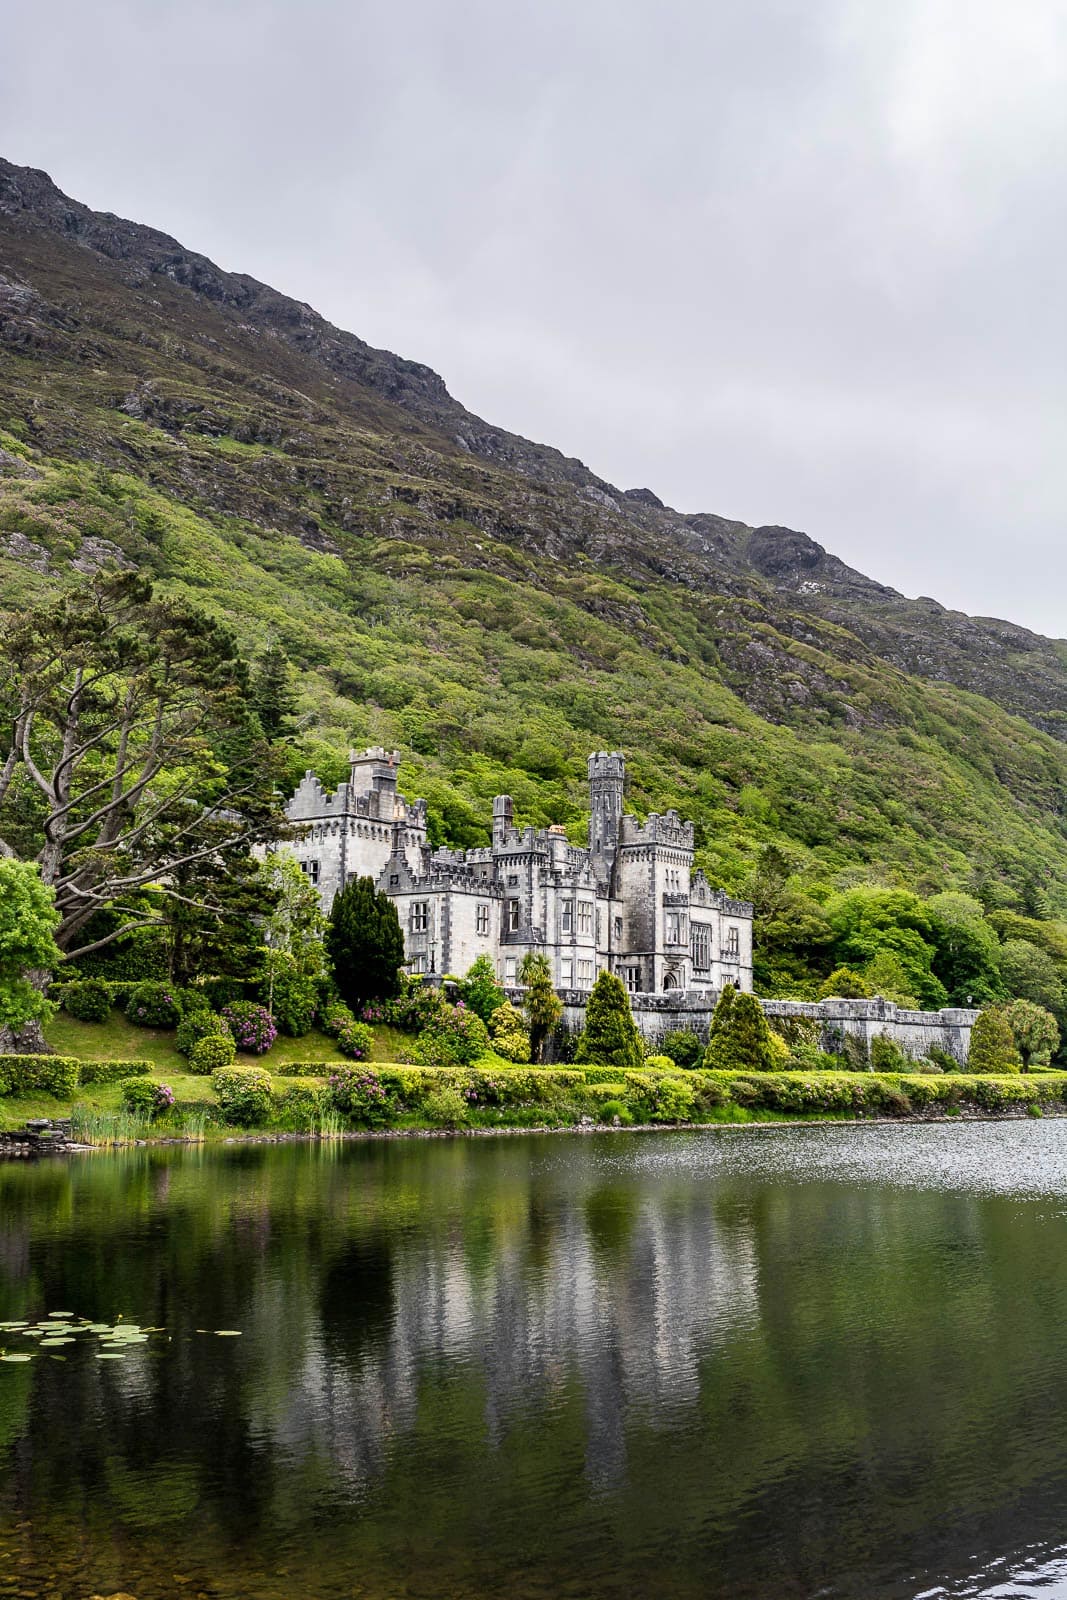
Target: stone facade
x=628 y=901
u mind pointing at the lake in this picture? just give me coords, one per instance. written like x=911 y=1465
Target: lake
x=785 y=1362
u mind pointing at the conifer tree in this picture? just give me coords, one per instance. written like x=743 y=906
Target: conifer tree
x=364 y=943
x=993 y=1043
x=272 y=695
x=610 y=1037
x=541 y=1004
x=740 y=1039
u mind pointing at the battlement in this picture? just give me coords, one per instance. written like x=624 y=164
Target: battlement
x=667 y=829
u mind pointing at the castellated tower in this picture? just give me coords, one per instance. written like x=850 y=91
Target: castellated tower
x=607 y=779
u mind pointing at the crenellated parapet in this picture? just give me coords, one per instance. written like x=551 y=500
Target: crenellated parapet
x=667 y=830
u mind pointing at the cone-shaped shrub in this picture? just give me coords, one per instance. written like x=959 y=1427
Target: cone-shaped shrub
x=740 y=1039
x=993 y=1043
x=610 y=1037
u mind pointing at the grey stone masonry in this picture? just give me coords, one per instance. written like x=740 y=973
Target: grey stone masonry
x=628 y=901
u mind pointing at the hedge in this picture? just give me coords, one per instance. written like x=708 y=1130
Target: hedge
x=112 y=1071
x=57 y=1075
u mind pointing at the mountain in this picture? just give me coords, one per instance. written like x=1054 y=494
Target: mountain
x=490 y=605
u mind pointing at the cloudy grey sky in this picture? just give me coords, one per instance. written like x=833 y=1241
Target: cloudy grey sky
x=796 y=261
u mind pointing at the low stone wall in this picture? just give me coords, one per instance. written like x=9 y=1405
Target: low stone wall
x=916 y=1032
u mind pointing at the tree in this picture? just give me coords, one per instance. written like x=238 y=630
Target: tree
x=272 y=695
x=886 y=975
x=509 y=1035
x=541 y=1005
x=740 y=1039
x=966 y=949
x=610 y=1037
x=28 y=920
x=296 y=923
x=845 y=984
x=364 y=943
x=130 y=757
x=479 y=989
x=1030 y=973
x=867 y=921
x=992 y=1043
x=791 y=932
x=1036 y=1035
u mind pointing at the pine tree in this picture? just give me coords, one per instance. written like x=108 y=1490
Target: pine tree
x=541 y=1004
x=993 y=1043
x=272 y=695
x=740 y=1039
x=610 y=1037
x=364 y=943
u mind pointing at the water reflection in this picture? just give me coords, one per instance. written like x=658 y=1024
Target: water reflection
x=815 y=1362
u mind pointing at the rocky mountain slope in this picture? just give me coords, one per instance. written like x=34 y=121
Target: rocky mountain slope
x=488 y=603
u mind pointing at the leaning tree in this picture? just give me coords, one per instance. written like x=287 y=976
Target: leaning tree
x=132 y=766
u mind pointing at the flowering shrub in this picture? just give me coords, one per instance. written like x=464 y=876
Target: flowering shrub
x=154 y=1005
x=252 y=1026
x=358 y=1092
x=213 y=1050
x=353 y=1038
x=293 y=1004
x=244 y=1094
x=199 y=1026
x=146 y=1098
x=415 y=1007
x=373 y=1011
x=509 y=1033
x=455 y=1037
x=88 y=1000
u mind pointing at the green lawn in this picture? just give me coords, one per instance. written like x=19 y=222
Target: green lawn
x=119 y=1040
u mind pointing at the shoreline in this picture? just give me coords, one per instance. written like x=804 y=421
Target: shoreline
x=16 y=1151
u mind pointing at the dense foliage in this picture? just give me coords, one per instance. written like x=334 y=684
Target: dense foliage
x=364 y=943
x=610 y=1037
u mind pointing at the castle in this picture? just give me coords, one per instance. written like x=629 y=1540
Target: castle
x=629 y=901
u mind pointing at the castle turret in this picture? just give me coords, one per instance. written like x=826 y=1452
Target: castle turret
x=503 y=818
x=607 y=779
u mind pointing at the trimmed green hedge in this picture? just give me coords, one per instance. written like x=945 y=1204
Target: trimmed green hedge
x=58 y=1075
x=112 y=1071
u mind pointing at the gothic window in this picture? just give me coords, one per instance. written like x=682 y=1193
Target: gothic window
x=675 y=927
x=585 y=974
x=566 y=973
x=481 y=923
x=701 y=946
x=732 y=948
x=585 y=916
x=420 y=916
x=513 y=916
x=566 y=917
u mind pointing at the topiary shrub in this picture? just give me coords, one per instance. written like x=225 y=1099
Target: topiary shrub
x=252 y=1026
x=684 y=1048
x=199 y=1026
x=740 y=1040
x=145 y=1098
x=508 y=1034
x=212 y=1050
x=154 y=1005
x=610 y=1037
x=244 y=1095
x=455 y=1037
x=88 y=1000
x=112 y=1071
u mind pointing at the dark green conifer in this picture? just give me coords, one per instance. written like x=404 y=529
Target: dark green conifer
x=740 y=1039
x=364 y=943
x=541 y=1004
x=610 y=1037
x=272 y=696
x=993 y=1043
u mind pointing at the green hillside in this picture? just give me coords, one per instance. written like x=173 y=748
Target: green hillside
x=487 y=605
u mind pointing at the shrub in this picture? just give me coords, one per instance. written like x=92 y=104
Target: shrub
x=364 y=942
x=669 y=1097
x=199 y=1026
x=481 y=993
x=354 y=1039
x=887 y=1056
x=992 y=1043
x=112 y=1071
x=222 y=992
x=358 y=1093
x=146 y=1098
x=610 y=1037
x=740 y=1039
x=508 y=1033
x=613 y=1110
x=251 y=1025
x=943 y=1059
x=212 y=1050
x=154 y=1005
x=244 y=1094
x=659 y=1064
x=455 y=1037
x=23 y=1075
x=193 y=1001
x=845 y=984
x=684 y=1048
x=1035 y=1031
x=293 y=1004
x=88 y=1000
x=445 y=1108
x=302 y=1104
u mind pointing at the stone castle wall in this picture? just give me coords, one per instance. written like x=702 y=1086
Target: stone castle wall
x=914 y=1031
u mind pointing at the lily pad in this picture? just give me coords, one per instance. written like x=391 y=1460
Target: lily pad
x=110 y=1355
x=228 y=1333
x=16 y=1357
x=8 y=1327
x=50 y=1344
x=61 y=1316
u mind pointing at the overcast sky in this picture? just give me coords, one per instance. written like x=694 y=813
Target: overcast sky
x=796 y=261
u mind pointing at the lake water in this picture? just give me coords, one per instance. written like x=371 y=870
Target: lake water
x=791 y=1362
